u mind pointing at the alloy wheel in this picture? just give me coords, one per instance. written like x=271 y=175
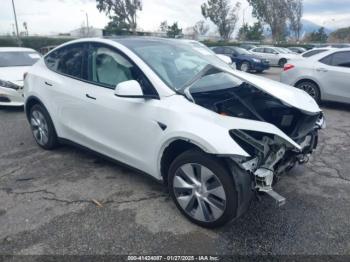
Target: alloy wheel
x=245 y=67
x=39 y=127
x=199 y=192
x=309 y=88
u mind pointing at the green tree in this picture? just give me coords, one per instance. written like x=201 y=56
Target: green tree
x=163 y=26
x=200 y=28
x=251 y=33
x=174 y=31
x=123 y=14
x=341 y=35
x=274 y=13
x=319 y=36
x=223 y=15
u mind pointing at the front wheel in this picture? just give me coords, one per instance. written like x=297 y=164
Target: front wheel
x=202 y=189
x=282 y=62
x=245 y=67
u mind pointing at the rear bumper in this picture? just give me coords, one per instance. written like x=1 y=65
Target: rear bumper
x=11 y=97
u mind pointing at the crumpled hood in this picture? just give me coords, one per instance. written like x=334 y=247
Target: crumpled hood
x=287 y=94
x=13 y=74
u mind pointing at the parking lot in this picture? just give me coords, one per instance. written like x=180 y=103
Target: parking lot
x=49 y=202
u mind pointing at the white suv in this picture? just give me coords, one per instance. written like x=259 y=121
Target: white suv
x=213 y=135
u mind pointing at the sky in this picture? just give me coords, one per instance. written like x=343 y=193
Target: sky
x=49 y=17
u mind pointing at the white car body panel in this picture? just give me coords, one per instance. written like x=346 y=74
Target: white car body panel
x=79 y=119
x=331 y=80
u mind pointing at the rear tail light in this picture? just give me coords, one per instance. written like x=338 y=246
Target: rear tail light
x=288 y=67
x=25 y=75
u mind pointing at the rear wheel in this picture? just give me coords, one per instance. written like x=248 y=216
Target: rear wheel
x=311 y=88
x=42 y=127
x=202 y=189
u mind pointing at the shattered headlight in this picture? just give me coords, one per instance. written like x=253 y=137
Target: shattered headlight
x=8 y=84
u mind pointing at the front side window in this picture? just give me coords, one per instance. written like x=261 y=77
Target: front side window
x=108 y=68
x=9 y=59
x=67 y=60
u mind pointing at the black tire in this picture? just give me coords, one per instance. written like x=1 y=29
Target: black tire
x=282 y=62
x=222 y=175
x=244 y=67
x=311 y=88
x=259 y=71
x=46 y=127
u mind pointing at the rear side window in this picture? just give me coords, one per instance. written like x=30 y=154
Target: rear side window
x=269 y=51
x=68 y=60
x=341 y=59
x=259 y=50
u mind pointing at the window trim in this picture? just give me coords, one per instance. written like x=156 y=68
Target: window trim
x=83 y=62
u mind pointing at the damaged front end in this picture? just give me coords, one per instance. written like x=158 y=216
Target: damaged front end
x=271 y=155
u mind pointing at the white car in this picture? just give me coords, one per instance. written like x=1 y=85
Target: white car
x=275 y=55
x=315 y=51
x=14 y=62
x=213 y=135
x=324 y=76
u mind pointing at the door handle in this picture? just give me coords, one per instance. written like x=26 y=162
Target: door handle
x=321 y=70
x=90 y=97
x=48 y=84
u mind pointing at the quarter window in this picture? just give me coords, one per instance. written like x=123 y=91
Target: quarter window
x=67 y=60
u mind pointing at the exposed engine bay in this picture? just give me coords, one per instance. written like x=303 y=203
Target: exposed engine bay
x=271 y=156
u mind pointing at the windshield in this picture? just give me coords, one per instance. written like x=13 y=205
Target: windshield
x=242 y=51
x=9 y=59
x=176 y=62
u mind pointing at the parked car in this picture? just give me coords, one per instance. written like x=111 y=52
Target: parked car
x=244 y=60
x=208 y=51
x=315 y=51
x=214 y=135
x=324 y=76
x=248 y=46
x=14 y=62
x=298 y=50
x=44 y=50
x=275 y=55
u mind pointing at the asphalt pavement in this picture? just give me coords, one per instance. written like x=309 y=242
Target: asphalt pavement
x=49 y=203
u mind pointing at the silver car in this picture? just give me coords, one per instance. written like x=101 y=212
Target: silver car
x=325 y=76
x=275 y=55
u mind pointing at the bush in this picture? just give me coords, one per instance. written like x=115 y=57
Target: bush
x=34 y=42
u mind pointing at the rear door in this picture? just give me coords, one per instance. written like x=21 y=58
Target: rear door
x=333 y=72
x=64 y=85
x=271 y=55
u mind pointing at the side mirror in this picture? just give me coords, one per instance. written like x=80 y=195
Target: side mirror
x=131 y=89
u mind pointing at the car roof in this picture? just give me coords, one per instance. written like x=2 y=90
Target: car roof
x=16 y=49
